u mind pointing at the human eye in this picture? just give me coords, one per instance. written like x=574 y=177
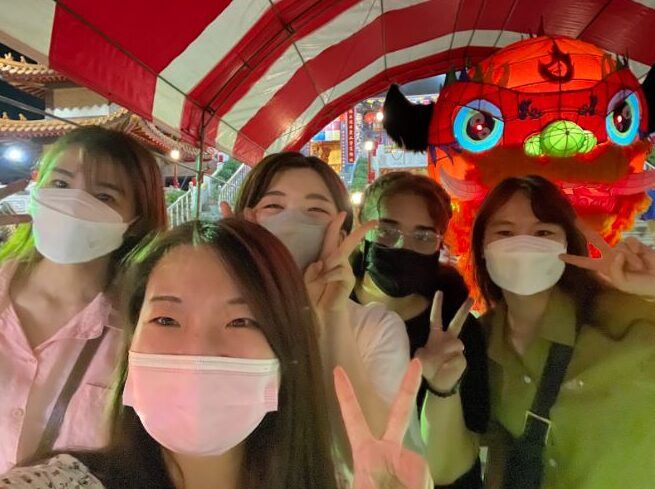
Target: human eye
x=425 y=236
x=106 y=198
x=272 y=205
x=386 y=235
x=242 y=323
x=506 y=233
x=58 y=183
x=165 y=321
x=318 y=210
x=544 y=233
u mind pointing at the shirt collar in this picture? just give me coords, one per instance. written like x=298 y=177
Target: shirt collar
x=87 y=324
x=558 y=325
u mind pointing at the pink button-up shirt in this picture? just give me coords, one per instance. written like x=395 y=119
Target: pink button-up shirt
x=31 y=379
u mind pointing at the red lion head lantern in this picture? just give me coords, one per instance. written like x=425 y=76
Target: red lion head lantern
x=550 y=106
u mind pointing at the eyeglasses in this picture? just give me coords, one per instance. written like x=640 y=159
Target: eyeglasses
x=423 y=241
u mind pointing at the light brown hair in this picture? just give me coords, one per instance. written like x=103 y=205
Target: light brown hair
x=122 y=150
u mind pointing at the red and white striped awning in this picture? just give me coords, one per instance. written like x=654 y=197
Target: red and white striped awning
x=259 y=76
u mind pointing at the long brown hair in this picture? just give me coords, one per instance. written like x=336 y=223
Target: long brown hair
x=122 y=150
x=259 y=180
x=291 y=448
x=551 y=206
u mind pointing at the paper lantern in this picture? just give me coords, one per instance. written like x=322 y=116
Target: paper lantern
x=551 y=106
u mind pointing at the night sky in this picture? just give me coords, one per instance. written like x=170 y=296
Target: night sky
x=14 y=170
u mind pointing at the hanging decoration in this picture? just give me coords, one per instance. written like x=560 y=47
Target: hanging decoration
x=549 y=105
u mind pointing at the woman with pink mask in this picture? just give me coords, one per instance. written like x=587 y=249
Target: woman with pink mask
x=222 y=384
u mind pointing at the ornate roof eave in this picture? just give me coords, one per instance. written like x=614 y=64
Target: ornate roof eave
x=153 y=136
x=33 y=78
x=53 y=128
x=21 y=72
x=146 y=132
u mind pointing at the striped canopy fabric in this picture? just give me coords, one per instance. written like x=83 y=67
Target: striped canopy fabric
x=253 y=77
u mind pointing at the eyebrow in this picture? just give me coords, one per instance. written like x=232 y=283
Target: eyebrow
x=278 y=193
x=320 y=197
x=237 y=301
x=108 y=185
x=166 y=298
x=501 y=223
x=63 y=172
x=111 y=186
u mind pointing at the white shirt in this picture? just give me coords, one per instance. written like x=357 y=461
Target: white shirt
x=384 y=346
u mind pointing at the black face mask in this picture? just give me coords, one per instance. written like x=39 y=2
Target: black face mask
x=401 y=272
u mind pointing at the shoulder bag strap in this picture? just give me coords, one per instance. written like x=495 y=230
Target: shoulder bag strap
x=56 y=419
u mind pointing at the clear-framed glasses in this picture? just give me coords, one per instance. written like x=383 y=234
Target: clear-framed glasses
x=424 y=241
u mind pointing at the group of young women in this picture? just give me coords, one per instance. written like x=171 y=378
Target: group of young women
x=281 y=348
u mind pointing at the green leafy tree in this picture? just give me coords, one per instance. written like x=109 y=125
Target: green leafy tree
x=227 y=169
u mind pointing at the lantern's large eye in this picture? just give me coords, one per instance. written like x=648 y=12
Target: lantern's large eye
x=478 y=125
x=623 y=114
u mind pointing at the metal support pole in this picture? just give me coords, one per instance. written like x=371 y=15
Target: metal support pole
x=199 y=170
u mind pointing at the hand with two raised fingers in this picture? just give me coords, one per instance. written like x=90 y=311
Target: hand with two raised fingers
x=629 y=266
x=13 y=219
x=330 y=280
x=383 y=463
x=442 y=356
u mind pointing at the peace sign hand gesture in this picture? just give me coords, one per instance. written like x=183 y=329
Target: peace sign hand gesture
x=12 y=188
x=629 y=266
x=330 y=280
x=383 y=463
x=442 y=356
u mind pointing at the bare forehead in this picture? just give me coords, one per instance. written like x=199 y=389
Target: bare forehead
x=299 y=181
x=186 y=269
x=408 y=207
x=518 y=209
x=92 y=164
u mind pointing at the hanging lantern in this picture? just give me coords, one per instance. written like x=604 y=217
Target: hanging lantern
x=370 y=118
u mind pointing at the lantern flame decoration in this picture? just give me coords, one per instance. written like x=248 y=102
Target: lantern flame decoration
x=550 y=106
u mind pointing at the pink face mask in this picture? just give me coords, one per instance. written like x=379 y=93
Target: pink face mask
x=197 y=405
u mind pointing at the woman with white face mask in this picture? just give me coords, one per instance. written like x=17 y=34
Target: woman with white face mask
x=571 y=358
x=98 y=193
x=305 y=204
x=221 y=387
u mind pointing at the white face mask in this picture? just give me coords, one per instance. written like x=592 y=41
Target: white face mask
x=524 y=265
x=72 y=226
x=200 y=405
x=302 y=235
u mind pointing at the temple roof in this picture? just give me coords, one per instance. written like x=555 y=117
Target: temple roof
x=52 y=128
x=26 y=76
x=146 y=132
x=33 y=78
